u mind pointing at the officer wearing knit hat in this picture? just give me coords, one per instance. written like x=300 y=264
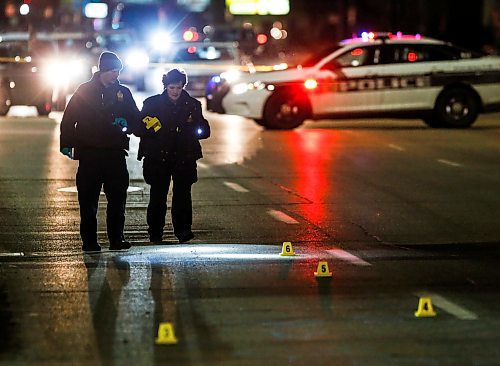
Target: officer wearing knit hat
x=109 y=61
x=94 y=128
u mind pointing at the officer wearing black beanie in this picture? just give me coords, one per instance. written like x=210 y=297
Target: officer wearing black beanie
x=109 y=61
x=94 y=128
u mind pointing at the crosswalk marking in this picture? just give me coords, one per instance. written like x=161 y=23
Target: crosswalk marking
x=448 y=306
x=281 y=216
x=7 y=254
x=448 y=162
x=396 y=147
x=348 y=257
x=236 y=187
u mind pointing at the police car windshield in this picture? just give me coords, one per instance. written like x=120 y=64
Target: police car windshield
x=312 y=59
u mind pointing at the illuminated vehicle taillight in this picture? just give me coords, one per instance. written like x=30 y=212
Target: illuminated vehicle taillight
x=311 y=84
x=412 y=57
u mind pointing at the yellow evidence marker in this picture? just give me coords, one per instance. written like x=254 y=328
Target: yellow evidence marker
x=166 y=334
x=287 y=249
x=152 y=122
x=323 y=270
x=425 y=308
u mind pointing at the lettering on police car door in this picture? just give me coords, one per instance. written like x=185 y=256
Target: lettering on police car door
x=380 y=83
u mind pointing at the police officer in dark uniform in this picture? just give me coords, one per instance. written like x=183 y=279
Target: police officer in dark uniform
x=173 y=123
x=94 y=128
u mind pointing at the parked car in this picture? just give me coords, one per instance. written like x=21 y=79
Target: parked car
x=73 y=62
x=42 y=69
x=376 y=75
x=22 y=81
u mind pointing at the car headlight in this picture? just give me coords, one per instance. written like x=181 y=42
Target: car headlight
x=161 y=40
x=137 y=59
x=60 y=73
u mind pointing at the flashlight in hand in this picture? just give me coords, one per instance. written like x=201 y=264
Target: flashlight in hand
x=122 y=122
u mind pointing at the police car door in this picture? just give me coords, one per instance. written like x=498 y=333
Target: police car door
x=407 y=71
x=351 y=85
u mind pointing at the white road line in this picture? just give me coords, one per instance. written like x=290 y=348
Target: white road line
x=281 y=216
x=447 y=162
x=236 y=187
x=18 y=254
x=396 y=147
x=348 y=257
x=450 y=307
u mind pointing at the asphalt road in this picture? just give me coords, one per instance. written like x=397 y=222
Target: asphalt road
x=398 y=211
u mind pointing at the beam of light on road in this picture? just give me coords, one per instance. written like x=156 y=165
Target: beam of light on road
x=73 y=189
x=245 y=256
x=347 y=257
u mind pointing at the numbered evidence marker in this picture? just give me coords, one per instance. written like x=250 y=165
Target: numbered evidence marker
x=425 y=308
x=322 y=270
x=166 y=334
x=287 y=249
x=152 y=122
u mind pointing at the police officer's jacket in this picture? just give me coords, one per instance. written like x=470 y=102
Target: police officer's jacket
x=182 y=125
x=99 y=117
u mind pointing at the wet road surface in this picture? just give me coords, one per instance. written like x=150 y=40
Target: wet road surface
x=398 y=211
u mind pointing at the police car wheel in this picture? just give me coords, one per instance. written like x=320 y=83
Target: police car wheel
x=456 y=107
x=285 y=110
x=260 y=122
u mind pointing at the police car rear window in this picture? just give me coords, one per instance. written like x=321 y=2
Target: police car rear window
x=409 y=53
x=312 y=59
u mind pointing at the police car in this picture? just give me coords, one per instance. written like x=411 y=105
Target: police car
x=375 y=75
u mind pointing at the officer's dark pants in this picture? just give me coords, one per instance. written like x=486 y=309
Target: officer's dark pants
x=159 y=174
x=100 y=168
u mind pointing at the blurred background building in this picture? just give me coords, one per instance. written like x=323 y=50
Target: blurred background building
x=268 y=26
